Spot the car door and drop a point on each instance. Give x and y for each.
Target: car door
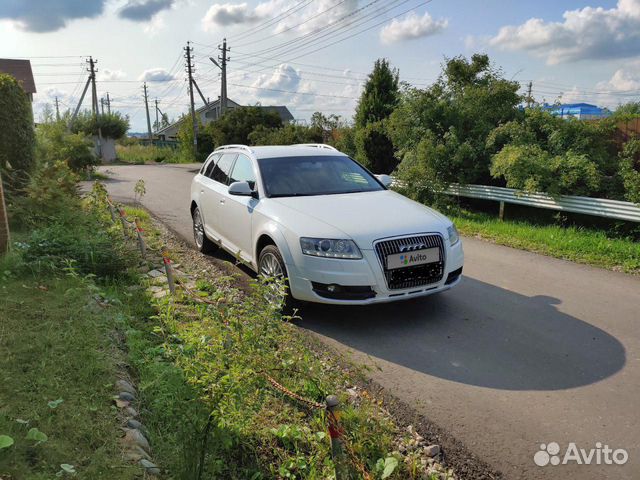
(218, 191)
(205, 195)
(237, 211)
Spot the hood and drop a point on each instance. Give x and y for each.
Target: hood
(367, 216)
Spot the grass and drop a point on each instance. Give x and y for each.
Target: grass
(142, 154)
(56, 346)
(582, 245)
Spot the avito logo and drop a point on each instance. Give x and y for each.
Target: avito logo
(549, 454)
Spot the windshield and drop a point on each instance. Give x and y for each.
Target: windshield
(315, 175)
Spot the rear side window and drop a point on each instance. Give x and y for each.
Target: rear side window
(208, 168)
(243, 171)
(223, 167)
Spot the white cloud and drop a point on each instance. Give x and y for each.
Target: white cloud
(106, 75)
(587, 33)
(156, 75)
(411, 27)
(284, 77)
(229, 14)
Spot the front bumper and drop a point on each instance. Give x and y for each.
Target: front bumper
(309, 278)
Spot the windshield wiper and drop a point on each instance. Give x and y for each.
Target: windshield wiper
(280, 195)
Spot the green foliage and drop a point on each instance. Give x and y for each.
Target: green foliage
(235, 126)
(630, 170)
(186, 153)
(110, 125)
(17, 140)
(441, 131)
(139, 190)
(380, 95)
(374, 148)
(344, 139)
(5, 441)
(138, 154)
(549, 154)
(287, 135)
(626, 110)
(56, 144)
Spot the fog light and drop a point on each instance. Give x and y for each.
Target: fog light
(333, 288)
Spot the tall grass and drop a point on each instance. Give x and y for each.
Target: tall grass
(141, 154)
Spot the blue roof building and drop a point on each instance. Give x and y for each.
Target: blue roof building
(581, 111)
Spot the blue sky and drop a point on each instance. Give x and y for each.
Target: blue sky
(572, 50)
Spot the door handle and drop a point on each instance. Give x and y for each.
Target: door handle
(201, 192)
(222, 201)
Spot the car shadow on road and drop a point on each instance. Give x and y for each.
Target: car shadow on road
(477, 334)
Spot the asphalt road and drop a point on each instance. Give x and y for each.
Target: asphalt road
(527, 350)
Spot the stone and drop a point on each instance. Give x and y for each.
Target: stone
(132, 412)
(121, 403)
(155, 273)
(134, 424)
(134, 437)
(150, 467)
(126, 396)
(125, 386)
(161, 294)
(134, 454)
(432, 450)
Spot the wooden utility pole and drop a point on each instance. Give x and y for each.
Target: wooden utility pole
(157, 120)
(57, 110)
(108, 104)
(5, 239)
(94, 100)
(529, 95)
(102, 105)
(146, 106)
(223, 82)
(189, 57)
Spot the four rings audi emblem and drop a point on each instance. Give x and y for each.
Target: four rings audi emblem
(412, 247)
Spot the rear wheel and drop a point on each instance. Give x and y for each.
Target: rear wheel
(271, 267)
(203, 244)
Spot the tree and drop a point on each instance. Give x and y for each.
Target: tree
(627, 109)
(441, 131)
(380, 95)
(56, 144)
(111, 125)
(630, 169)
(17, 140)
(235, 125)
(287, 135)
(379, 98)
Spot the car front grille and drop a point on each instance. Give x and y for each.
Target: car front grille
(417, 275)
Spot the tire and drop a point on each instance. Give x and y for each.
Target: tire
(271, 265)
(203, 244)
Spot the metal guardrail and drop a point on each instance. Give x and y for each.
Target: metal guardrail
(599, 207)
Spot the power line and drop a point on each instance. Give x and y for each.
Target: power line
(293, 92)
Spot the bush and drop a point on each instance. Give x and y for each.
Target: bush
(56, 144)
(17, 140)
(110, 125)
(139, 154)
(235, 125)
(374, 148)
(630, 170)
(287, 135)
(186, 152)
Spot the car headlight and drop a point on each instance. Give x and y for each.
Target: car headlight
(326, 247)
(454, 236)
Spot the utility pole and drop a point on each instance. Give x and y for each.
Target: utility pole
(102, 105)
(108, 104)
(223, 82)
(189, 57)
(157, 121)
(5, 239)
(146, 106)
(529, 93)
(94, 100)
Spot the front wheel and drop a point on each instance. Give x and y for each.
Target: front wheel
(272, 268)
(203, 244)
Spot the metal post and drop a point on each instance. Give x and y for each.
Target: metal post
(338, 453)
(168, 268)
(141, 244)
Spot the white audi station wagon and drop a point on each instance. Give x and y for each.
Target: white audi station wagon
(315, 216)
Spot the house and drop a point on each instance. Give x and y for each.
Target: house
(581, 111)
(211, 112)
(21, 71)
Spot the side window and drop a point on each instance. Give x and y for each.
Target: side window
(223, 167)
(210, 165)
(243, 171)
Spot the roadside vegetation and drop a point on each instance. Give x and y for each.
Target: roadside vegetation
(139, 154)
(583, 245)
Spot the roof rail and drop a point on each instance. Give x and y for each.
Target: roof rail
(226, 147)
(316, 145)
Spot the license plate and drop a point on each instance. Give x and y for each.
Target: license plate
(409, 259)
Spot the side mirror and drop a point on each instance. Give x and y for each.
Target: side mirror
(385, 180)
(240, 188)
